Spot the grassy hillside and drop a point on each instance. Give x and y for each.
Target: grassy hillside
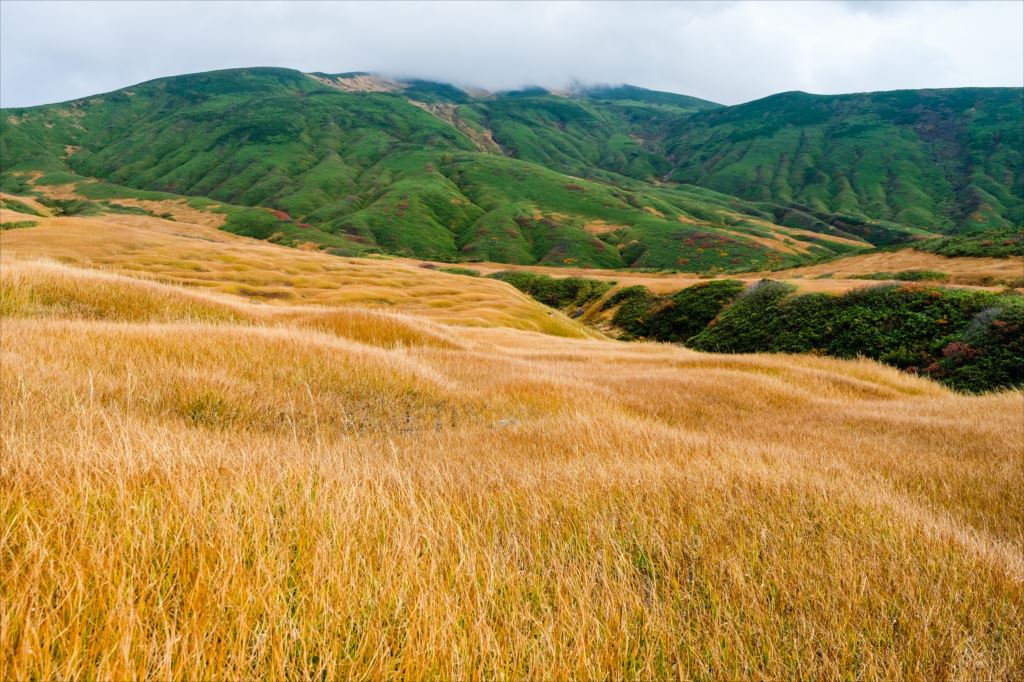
(225, 458)
(199, 256)
(421, 169)
(600, 133)
(947, 160)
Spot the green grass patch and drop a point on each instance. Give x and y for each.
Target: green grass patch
(461, 271)
(18, 224)
(19, 206)
(907, 276)
(564, 293)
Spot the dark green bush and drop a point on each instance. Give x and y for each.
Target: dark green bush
(634, 304)
(71, 207)
(563, 293)
(745, 326)
(251, 222)
(18, 224)
(990, 352)
(20, 207)
(689, 311)
(970, 340)
(907, 275)
(461, 271)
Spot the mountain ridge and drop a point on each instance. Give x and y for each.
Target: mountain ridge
(602, 177)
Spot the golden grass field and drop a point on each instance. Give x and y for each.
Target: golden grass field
(224, 459)
(974, 273)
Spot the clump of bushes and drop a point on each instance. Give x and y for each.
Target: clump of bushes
(251, 222)
(679, 316)
(19, 206)
(564, 293)
(676, 317)
(739, 328)
(18, 224)
(71, 207)
(461, 271)
(970, 340)
(634, 303)
(987, 243)
(121, 208)
(907, 275)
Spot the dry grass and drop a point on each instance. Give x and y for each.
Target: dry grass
(974, 273)
(179, 209)
(195, 485)
(28, 201)
(969, 271)
(201, 257)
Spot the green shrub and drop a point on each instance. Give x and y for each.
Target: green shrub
(71, 207)
(461, 271)
(907, 275)
(745, 326)
(687, 312)
(634, 305)
(121, 208)
(20, 207)
(564, 293)
(969, 340)
(251, 222)
(18, 224)
(989, 353)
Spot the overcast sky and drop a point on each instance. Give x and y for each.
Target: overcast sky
(729, 52)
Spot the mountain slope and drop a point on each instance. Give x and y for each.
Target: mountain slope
(948, 160)
(603, 177)
(355, 157)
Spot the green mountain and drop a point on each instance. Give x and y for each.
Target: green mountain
(607, 176)
(944, 160)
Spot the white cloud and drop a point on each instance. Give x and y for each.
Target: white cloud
(728, 52)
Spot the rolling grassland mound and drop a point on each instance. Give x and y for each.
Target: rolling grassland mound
(221, 458)
(210, 260)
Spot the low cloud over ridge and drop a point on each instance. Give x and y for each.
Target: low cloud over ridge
(727, 52)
